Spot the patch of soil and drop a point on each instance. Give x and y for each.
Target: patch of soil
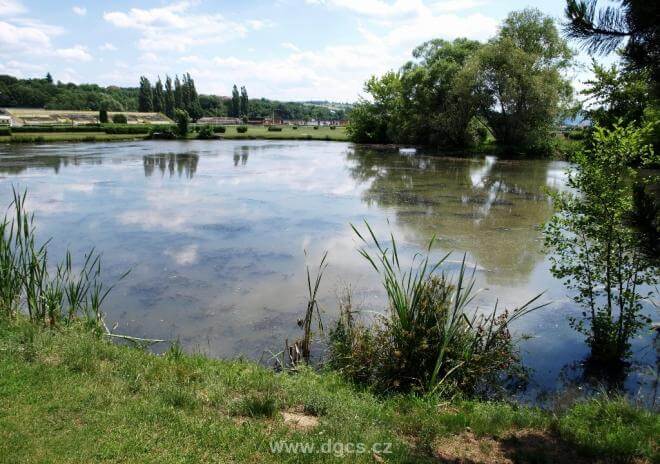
(300, 421)
(523, 446)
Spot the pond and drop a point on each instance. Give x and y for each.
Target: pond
(217, 235)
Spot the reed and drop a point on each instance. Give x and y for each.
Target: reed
(428, 340)
(48, 294)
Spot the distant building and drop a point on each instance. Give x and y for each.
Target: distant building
(5, 120)
(219, 120)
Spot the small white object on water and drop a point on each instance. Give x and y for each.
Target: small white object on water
(407, 151)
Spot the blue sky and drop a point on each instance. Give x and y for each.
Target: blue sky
(284, 49)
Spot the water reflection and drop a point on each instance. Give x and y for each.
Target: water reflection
(241, 155)
(488, 207)
(217, 251)
(181, 163)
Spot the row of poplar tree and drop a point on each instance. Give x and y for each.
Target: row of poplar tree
(181, 94)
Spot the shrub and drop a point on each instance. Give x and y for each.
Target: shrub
(595, 251)
(181, 117)
(333, 127)
(162, 132)
(295, 127)
(119, 119)
(206, 132)
(426, 342)
(219, 129)
(316, 127)
(274, 129)
(5, 131)
(103, 116)
(127, 129)
(241, 129)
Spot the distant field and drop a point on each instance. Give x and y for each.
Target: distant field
(253, 132)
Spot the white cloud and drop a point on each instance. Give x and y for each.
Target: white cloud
(108, 47)
(290, 46)
(79, 10)
(11, 8)
(185, 256)
(75, 53)
(174, 27)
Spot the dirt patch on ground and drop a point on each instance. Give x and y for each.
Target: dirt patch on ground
(300, 421)
(523, 446)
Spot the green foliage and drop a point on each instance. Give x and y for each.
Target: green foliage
(596, 252)
(145, 97)
(235, 109)
(634, 22)
(427, 342)
(241, 129)
(5, 131)
(219, 129)
(181, 119)
(159, 97)
(519, 75)
(103, 116)
(274, 129)
(127, 128)
(82, 128)
(206, 132)
(244, 102)
(453, 94)
(119, 119)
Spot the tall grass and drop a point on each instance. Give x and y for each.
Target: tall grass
(428, 340)
(49, 294)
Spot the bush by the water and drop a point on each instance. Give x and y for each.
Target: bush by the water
(427, 341)
(316, 127)
(219, 129)
(294, 127)
(119, 119)
(128, 128)
(163, 132)
(206, 133)
(274, 129)
(5, 131)
(333, 127)
(241, 129)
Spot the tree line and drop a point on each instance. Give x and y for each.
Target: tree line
(48, 94)
(179, 94)
(455, 94)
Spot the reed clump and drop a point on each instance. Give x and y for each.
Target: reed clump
(48, 293)
(428, 341)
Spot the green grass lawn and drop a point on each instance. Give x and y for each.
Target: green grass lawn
(288, 133)
(69, 396)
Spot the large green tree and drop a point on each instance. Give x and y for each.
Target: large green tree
(159, 97)
(244, 103)
(235, 102)
(170, 104)
(145, 97)
(521, 79)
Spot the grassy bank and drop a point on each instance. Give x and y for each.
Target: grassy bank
(288, 133)
(253, 132)
(67, 395)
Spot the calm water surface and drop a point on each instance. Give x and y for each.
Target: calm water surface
(216, 232)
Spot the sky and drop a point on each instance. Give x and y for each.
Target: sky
(283, 49)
